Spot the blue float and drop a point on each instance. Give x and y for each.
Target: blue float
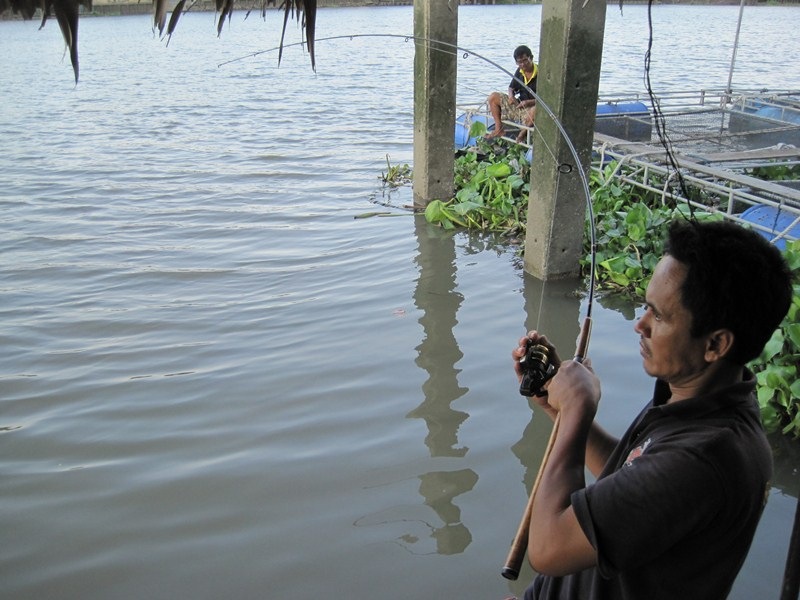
(463, 125)
(774, 219)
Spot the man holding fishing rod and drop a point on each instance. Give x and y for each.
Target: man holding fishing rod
(677, 499)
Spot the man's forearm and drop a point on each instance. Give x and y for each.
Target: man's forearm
(599, 445)
(557, 544)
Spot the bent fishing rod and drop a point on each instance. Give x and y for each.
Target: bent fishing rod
(519, 545)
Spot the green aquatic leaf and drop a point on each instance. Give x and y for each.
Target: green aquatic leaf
(465, 207)
(499, 170)
(793, 332)
(515, 181)
(469, 195)
(773, 346)
(769, 417)
(477, 129)
(434, 211)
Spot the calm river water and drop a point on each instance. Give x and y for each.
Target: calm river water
(216, 381)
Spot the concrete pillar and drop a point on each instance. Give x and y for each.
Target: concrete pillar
(570, 53)
(434, 99)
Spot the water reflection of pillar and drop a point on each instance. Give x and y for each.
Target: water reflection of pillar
(438, 353)
(439, 488)
(553, 309)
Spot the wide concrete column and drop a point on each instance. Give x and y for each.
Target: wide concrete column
(570, 55)
(434, 99)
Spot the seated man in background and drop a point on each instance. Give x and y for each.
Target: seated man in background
(519, 105)
(677, 499)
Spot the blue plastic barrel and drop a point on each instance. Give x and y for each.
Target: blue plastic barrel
(773, 219)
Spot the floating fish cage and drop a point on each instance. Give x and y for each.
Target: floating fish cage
(720, 142)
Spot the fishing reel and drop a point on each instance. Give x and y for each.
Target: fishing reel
(537, 369)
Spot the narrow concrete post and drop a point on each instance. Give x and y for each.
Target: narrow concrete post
(434, 99)
(570, 54)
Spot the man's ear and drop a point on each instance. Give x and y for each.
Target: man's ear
(718, 344)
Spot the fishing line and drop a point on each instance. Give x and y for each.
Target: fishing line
(453, 49)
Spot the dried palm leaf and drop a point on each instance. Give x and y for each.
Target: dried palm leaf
(159, 15)
(173, 20)
(306, 11)
(67, 12)
(225, 13)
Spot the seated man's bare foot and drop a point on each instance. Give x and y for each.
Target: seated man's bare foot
(495, 134)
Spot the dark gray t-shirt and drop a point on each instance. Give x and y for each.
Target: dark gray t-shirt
(674, 512)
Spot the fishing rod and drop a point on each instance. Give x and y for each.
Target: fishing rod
(538, 365)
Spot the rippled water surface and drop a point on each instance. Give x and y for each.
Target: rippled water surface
(220, 377)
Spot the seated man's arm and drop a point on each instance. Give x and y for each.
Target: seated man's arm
(512, 95)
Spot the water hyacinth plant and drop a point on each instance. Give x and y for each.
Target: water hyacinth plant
(777, 368)
(492, 188)
(630, 224)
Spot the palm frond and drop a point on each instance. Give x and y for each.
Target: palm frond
(66, 13)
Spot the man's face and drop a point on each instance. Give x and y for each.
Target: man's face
(525, 62)
(668, 350)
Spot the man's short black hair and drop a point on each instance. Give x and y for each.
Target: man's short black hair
(521, 51)
(735, 280)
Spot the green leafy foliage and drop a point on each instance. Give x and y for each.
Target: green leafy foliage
(777, 172)
(630, 225)
(492, 188)
(396, 175)
(777, 368)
